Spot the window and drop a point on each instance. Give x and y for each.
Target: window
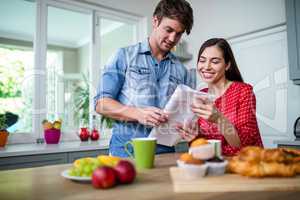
(55, 74)
(16, 64)
(110, 39)
(68, 63)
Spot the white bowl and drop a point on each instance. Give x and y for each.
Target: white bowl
(192, 171)
(203, 152)
(216, 168)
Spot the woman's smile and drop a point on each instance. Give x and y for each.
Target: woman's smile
(207, 75)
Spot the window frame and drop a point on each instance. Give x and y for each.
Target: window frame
(40, 58)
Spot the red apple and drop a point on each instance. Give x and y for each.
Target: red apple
(104, 177)
(94, 134)
(125, 171)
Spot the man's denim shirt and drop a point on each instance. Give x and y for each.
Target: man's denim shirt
(135, 78)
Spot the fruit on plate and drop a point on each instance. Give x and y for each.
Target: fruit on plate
(110, 161)
(104, 177)
(84, 167)
(105, 171)
(125, 172)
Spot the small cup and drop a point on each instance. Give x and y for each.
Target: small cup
(144, 152)
(191, 171)
(216, 168)
(52, 136)
(217, 147)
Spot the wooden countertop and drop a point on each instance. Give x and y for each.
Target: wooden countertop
(47, 183)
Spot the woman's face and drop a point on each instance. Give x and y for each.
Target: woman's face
(211, 65)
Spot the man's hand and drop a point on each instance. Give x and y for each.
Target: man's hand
(151, 116)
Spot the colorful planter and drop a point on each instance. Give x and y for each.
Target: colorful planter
(52, 136)
(3, 138)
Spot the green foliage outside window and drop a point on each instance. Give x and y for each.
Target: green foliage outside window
(15, 90)
(81, 100)
(9, 85)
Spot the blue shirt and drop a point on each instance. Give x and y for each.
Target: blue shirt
(135, 78)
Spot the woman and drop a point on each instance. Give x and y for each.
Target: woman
(231, 117)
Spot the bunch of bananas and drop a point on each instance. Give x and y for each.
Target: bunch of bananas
(110, 161)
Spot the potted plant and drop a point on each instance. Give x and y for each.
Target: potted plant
(107, 122)
(7, 119)
(81, 100)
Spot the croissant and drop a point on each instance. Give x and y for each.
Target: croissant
(259, 162)
(297, 167)
(257, 154)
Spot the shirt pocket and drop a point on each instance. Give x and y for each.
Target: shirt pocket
(139, 77)
(173, 82)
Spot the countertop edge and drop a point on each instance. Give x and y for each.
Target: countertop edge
(63, 147)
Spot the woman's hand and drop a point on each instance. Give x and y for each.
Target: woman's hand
(187, 131)
(205, 109)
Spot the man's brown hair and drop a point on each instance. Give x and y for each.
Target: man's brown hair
(176, 9)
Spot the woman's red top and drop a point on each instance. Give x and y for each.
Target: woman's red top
(238, 105)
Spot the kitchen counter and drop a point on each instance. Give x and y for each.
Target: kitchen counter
(288, 143)
(47, 183)
(36, 155)
(35, 149)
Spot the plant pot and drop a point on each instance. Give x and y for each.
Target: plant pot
(52, 136)
(3, 138)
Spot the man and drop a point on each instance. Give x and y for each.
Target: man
(139, 80)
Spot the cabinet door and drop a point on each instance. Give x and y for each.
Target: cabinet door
(16, 162)
(293, 33)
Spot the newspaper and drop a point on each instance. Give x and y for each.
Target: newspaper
(179, 111)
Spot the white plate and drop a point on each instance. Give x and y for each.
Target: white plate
(66, 175)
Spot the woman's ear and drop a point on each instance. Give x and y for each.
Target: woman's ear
(228, 66)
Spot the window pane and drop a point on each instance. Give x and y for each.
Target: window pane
(111, 39)
(68, 55)
(16, 61)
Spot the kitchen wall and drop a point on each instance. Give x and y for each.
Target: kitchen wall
(219, 18)
(230, 19)
(143, 8)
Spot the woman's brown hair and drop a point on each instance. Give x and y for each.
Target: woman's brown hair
(233, 72)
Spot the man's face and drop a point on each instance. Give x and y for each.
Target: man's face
(166, 33)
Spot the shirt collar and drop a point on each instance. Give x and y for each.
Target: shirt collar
(145, 49)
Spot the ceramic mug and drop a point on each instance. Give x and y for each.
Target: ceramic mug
(143, 152)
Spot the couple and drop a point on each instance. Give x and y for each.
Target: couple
(139, 80)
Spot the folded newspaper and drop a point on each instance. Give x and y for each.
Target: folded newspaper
(179, 111)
